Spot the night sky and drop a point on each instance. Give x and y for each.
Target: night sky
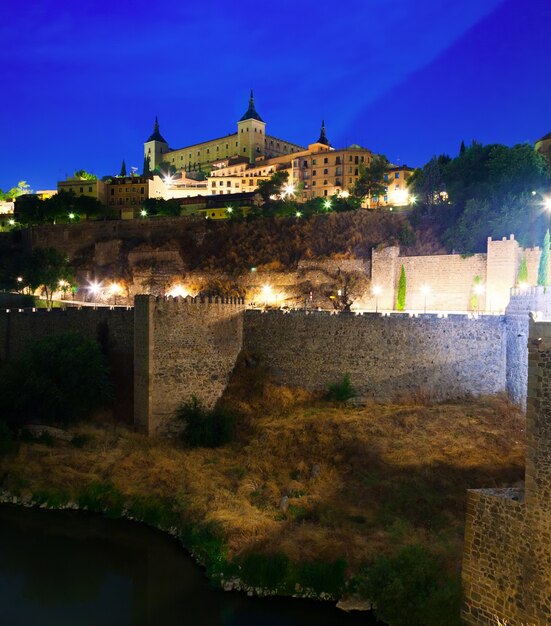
(83, 81)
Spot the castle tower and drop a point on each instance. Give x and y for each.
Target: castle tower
(251, 130)
(322, 144)
(155, 147)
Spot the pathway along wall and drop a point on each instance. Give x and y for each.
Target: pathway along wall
(386, 356)
(507, 555)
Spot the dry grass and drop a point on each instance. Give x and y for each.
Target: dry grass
(359, 480)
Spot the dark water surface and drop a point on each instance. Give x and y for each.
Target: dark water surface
(66, 568)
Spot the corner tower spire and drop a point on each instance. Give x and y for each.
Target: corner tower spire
(250, 113)
(323, 137)
(156, 135)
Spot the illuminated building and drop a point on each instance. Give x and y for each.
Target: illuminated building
(250, 141)
(84, 187)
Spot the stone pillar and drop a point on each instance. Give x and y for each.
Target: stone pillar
(385, 272)
(501, 271)
(144, 307)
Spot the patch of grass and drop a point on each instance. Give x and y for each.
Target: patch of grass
(268, 571)
(323, 577)
(101, 497)
(204, 428)
(79, 441)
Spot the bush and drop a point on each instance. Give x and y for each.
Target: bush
(411, 589)
(341, 392)
(268, 571)
(60, 379)
(7, 440)
(323, 577)
(204, 428)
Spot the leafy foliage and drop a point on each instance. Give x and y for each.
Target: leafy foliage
(44, 268)
(543, 269)
(342, 391)
(60, 379)
(204, 428)
(401, 297)
(370, 182)
(485, 191)
(522, 272)
(410, 589)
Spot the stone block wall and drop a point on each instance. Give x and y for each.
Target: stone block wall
(183, 347)
(112, 328)
(386, 356)
(507, 557)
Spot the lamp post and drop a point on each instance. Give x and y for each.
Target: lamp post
(376, 292)
(425, 290)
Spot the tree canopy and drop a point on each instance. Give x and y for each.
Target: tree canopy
(370, 183)
(487, 190)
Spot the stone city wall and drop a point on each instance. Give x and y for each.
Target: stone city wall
(507, 556)
(184, 347)
(112, 328)
(386, 356)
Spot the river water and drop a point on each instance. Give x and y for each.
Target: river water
(67, 568)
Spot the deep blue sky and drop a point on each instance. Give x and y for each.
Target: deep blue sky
(83, 81)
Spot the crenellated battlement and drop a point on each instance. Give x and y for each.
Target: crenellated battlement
(70, 310)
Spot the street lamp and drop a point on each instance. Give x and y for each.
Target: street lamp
(115, 289)
(376, 292)
(11, 222)
(94, 288)
(143, 213)
(289, 190)
(425, 290)
(72, 216)
(327, 204)
(298, 214)
(267, 292)
(479, 290)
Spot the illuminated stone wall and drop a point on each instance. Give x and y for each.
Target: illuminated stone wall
(507, 557)
(183, 347)
(386, 356)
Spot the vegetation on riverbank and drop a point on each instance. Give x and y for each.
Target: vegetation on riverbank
(310, 497)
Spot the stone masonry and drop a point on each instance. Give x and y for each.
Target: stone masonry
(507, 555)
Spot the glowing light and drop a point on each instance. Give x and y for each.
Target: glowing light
(115, 289)
(534, 193)
(229, 209)
(425, 290)
(413, 199)
(71, 216)
(547, 203)
(345, 194)
(267, 291)
(178, 291)
(63, 284)
(143, 213)
(94, 288)
(289, 190)
(523, 286)
(11, 222)
(400, 196)
(377, 290)
(273, 196)
(479, 289)
(20, 279)
(298, 214)
(168, 180)
(327, 204)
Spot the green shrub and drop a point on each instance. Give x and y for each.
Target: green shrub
(79, 441)
(153, 511)
(61, 378)
(323, 577)
(341, 392)
(100, 497)
(204, 428)
(410, 588)
(7, 440)
(269, 571)
(402, 286)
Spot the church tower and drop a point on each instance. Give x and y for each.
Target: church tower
(154, 148)
(251, 131)
(322, 144)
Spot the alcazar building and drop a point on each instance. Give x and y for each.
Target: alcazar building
(250, 141)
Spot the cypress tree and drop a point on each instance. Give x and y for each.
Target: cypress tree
(462, 149)
(522, 272)
(543, 270)
(401, 300)
(146, 166)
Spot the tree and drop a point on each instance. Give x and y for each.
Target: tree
(543, 270)
(370, 183)
(522, 277)
(45, 268)
(401, 299)
(346, 288)
(274, 186)
(146, 166)
(61, 378)
(22, 188)
(84, 175)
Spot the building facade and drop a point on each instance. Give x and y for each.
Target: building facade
(250, 141)
(84, 187)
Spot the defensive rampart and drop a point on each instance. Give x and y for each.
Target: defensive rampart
(183, 347)
(507, 557)
(386, 356)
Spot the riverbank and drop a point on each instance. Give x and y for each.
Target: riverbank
(307, 497)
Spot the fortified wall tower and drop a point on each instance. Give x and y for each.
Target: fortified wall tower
(183, 347)
(507, 556)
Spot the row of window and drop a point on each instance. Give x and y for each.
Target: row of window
(128, 190)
